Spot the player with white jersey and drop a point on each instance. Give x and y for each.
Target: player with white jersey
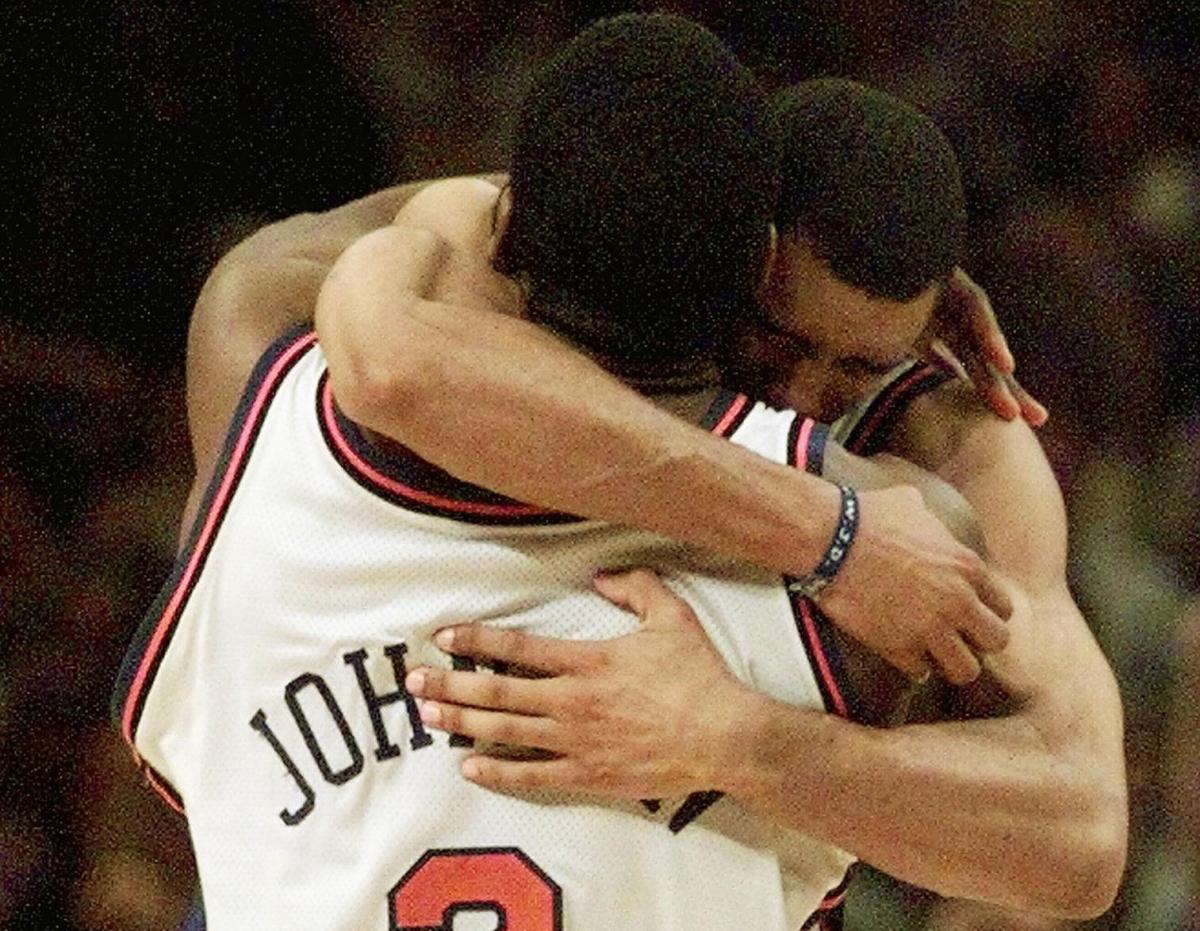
(327, 720)
(265, 696)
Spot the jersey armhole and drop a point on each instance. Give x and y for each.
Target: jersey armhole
(153, 636)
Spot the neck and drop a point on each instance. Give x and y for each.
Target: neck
(685, 387)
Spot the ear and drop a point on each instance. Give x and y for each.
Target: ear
(501, 216)
(772, 252)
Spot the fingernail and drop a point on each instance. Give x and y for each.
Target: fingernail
(431, 713)
(470, 768)
(415, 681)
(444, 638)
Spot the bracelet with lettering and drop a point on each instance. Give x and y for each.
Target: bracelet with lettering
(831, 563)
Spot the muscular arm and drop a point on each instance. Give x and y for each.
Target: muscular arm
(536, 420)
(1022, 805)
(1027, 809)
(264, 285)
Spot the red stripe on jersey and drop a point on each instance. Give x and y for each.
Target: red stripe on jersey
(407, 491)
(735, 409)
(163, 789)
(824, 669)
(204, 541)
(892, 395)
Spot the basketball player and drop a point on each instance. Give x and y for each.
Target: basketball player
(266, 693)
(239, 286)
(1039, 788)
(523, 388)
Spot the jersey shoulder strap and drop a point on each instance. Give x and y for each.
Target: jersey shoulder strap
(866, 428)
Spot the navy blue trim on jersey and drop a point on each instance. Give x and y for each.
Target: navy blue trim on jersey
(830, 914)
(726, 413)
(399, 475)
(153, 637)
(812, 456)
(875, 426)
(826, 919)
(395, 473)
(824, 656)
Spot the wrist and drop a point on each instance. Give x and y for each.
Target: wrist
(759, 764)
(836, 553)
(733, 740)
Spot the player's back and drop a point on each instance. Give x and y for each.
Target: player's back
(265, 694)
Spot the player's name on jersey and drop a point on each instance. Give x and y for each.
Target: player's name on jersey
(312, 684)
(309, 694)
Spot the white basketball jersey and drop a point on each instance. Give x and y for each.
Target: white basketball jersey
(264, 694)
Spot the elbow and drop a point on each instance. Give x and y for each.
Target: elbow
(377, 385)
(372, 389)
(1091, 865)
(1099, 875)
(373, 397)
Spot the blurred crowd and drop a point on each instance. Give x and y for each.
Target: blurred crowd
(148, 138)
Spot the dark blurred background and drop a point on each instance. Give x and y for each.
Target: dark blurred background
(144, 139)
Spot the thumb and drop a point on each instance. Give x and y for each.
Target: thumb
(632, 589)
(643, 592)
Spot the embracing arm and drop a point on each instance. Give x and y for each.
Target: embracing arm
(264, 285)
(536, 420)
(1028, 809)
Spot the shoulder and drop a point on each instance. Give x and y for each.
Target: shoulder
(457, 209)
(934, 425)
(1000, 468)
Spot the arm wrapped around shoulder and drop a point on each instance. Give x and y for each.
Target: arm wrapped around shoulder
(885, 471)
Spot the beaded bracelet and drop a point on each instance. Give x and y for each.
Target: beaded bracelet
(831, 563)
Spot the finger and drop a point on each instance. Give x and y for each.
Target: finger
(958, 664)
(983, 624)
(522, 775)
(996, 391)
(937, 351)
(642, 592)
(914, 665)
(977, 308)
(993, 595)
(499, 727)
(543, 654)
(484, 690)
(1033, 411)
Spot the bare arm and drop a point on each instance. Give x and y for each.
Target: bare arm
(264, 285)
(1043, 789)
(1026, 809)
(405, 365)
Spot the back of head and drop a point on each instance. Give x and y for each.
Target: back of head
(643, 184)
(870, 183)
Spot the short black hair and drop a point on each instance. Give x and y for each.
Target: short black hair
(643, 183)
(870, 183)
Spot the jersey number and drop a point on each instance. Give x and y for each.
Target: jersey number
(500, 880)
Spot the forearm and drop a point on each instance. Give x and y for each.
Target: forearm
(568, 436)
(978, 809)
(502, 403)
